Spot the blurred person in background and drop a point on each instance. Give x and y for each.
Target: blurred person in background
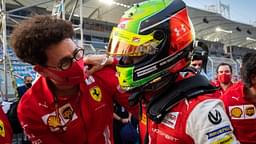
(198, 60)
(27, 84)
(224, 77)
(240, 102)
(125, 126)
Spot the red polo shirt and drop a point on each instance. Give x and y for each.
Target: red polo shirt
(83, 118)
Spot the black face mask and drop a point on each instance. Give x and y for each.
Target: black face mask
(28, 85)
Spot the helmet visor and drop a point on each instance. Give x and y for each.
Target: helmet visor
(125, 43)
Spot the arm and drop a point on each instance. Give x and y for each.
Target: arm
(117, 117)
(99, 61)
(208, 123)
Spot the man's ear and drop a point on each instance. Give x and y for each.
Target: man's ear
(40, 70)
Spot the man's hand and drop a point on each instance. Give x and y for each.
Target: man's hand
(97, 62)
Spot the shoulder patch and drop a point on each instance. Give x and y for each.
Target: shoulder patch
(171, 119)
(214, 117)
(218, 132)
(96, 93)
(228, 139)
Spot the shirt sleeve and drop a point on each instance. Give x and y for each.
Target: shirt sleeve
(208, 123)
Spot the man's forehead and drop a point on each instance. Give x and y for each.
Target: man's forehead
(28, 78)
(224, 67)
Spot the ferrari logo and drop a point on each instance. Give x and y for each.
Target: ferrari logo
(2, 131)
(96, 93)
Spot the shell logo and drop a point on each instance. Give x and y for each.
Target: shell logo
(236, 112)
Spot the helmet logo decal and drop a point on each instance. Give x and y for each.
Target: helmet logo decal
(123, 23)
(158, 65)
(181, 29)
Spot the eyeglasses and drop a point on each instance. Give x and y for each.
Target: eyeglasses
(66, 62)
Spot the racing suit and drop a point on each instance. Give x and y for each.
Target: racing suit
(199, 120)
(85, 118)
(5, 129)
(241, 112)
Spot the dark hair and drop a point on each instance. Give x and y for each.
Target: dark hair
(196, 57)
(248, 68)
(223, 64)
(31, 38)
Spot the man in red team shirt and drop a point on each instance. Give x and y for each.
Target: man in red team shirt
(65, 105)
(224, 77)
(154, 40)
(240, 101)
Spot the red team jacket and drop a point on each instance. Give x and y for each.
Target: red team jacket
(83, 119)
(201, 120)
(242, 113)
(5, 129)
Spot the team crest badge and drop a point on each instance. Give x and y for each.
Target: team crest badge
(96, 93)
(2, 130)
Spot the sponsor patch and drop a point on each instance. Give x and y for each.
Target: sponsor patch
(242, 112)
(96, 93)
(214, 117)
(170, 119)
(2, 129)
(58, 122)
(236, 112)
(249, 111)
(218, 132)
(53, 122)
(228, 139)
(67, 112)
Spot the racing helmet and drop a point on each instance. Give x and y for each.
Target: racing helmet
(153, 38)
